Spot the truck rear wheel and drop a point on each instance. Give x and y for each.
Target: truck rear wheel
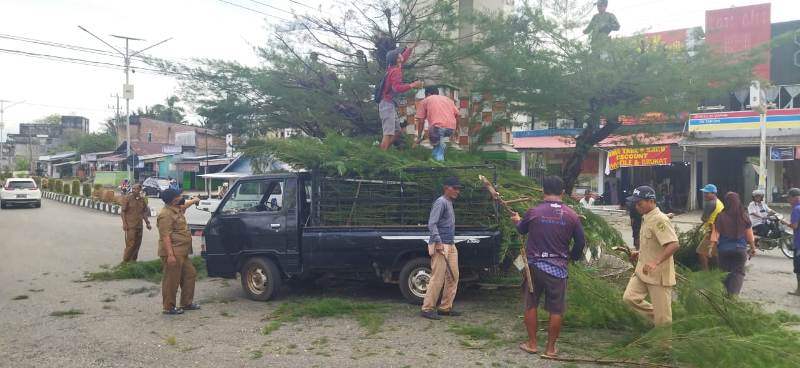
(261, 279)
(414, 279)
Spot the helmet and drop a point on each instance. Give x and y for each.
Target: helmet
(758, 192)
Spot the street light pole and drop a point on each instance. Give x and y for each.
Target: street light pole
(127, 92)
(758, 102)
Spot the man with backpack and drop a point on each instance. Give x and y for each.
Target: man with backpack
(391, 86)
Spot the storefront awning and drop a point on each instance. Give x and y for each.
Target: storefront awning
(544, 142)
(116, 158)
(712, 141)
(613, 141)
(154, 157)
(67, 163)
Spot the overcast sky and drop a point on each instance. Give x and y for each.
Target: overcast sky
(199, 28)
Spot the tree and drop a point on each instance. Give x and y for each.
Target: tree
(541, 71)
(110, 127)
(22, 164)
(94, 142)
(318, 72)
(49, 119)
(170, 112)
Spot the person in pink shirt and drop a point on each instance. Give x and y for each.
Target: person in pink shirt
(393, 85)
(442, 114)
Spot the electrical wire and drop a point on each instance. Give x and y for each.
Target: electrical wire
(254, 10)
(272, 7)
(63, 46)
(99, 64)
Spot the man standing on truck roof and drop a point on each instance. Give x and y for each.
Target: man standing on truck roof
(134, 210)
(550, 226)
(393, 85)
(174, 247)
(441, 113)
(444, 255)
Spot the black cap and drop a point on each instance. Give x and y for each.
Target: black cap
(452, 181)
(642, 192)
(393, 55)
(168, 195)
(794, 192)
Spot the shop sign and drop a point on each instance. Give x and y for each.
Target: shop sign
(640, 156)
(781, 153)
(743, 120)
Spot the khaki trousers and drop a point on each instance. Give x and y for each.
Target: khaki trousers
(659, 312)
(182, 275)
(133, 240)
(441, 278)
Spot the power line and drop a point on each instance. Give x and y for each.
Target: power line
(305, 5)
(272, 6)
(254, 10)
(99, 64)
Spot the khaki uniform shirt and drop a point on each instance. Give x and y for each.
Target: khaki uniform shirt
(134, 209)
(172, 222)
(657, 231)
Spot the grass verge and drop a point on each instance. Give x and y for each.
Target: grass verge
(147, 270)
(370, 316)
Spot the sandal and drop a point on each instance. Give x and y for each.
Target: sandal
(173, 311)
(191, 307)
(524, 347)
(553, 355)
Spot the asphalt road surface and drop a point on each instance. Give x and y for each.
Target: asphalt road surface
(46, 251)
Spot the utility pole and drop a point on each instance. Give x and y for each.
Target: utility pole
(3, 108)
(758, 103)
(127, 88)
(116, 114)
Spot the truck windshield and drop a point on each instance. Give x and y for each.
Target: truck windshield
(255, 196)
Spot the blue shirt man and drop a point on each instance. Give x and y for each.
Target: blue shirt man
(794, 222)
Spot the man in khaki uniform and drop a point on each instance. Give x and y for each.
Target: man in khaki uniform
(174, 247)
(134, 211)
(655, 268)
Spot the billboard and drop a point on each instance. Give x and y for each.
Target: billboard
(639, 156)
(740, 29)
(714, 121)
(784, 59)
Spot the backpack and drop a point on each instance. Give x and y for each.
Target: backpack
(378, 94)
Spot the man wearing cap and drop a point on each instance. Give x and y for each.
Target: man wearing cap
(134, 210)
(793, 196)
(601, 24)
(443, 252)
(712, 206)
(174, 247)
(393, 85)
(655, 268)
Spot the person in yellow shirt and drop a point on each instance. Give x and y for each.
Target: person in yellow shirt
(712, 206)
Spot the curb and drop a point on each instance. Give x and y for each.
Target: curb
(112, 209)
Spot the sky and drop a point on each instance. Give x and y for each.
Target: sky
(217, 29)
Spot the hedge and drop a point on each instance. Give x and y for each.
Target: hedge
(87, 190)
(76, 188)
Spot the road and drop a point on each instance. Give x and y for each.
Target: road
(46, 251)
(768, 276)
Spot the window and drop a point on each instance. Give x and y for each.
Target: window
(149, 137)
(255, 196)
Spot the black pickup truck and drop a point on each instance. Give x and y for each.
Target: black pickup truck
(270, 228)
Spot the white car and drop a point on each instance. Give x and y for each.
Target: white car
(20, 191)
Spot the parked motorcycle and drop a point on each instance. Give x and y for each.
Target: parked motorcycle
(777, 236)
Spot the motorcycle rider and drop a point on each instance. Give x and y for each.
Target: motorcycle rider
(759, 213)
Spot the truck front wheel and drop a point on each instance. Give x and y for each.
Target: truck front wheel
(261, 279)
(414, 279)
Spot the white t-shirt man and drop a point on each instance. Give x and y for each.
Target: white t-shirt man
(586, 204)
(758, 212)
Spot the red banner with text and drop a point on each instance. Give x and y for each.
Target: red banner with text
(641, 156)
